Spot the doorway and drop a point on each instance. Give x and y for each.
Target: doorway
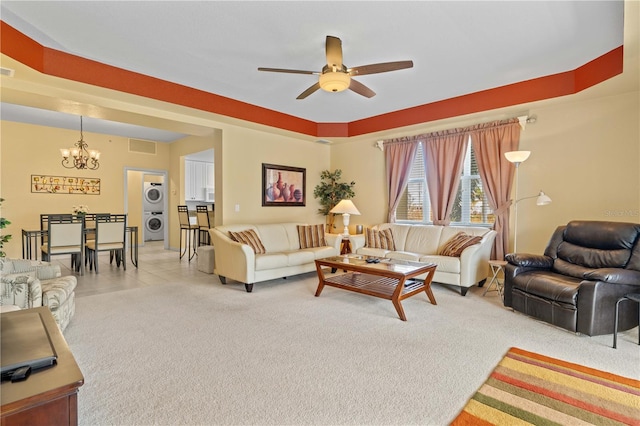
(146, 196)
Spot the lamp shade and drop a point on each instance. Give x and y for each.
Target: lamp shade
(334, 81)
(345, 206)
(543, 199)
(517, 156)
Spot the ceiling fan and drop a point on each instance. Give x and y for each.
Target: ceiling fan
(336, 77)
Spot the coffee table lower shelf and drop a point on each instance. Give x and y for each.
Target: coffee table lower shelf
(378, 285)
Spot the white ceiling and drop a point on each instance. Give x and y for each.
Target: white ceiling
(458, 47)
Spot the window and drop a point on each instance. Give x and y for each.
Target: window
(471, 206)
(414, 203)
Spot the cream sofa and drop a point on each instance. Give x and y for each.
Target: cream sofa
(422, 243)
(283, 256)
(31, 284)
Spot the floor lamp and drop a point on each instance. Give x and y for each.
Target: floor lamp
(517, 157)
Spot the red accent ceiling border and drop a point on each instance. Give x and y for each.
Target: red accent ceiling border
(60, 64)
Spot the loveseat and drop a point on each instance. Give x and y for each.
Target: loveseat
(586, 267)
(464, 264)
(272, 251)
(31, 284)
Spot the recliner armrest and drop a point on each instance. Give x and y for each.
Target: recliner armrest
(528, 260)
(614, 276)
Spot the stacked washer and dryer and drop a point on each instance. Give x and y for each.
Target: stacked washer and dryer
(153, 206)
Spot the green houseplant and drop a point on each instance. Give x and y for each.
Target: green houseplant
(330, 191)
(3, 237)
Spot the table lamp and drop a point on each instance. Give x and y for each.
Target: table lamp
(346, 208)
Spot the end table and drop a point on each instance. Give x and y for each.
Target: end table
(497, 269)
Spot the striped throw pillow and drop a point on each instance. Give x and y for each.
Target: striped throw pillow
(250, 238)
(458, 243)
(379, 239)
(311, 236)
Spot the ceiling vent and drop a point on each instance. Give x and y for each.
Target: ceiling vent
(323, 141)
(142, 146)
(7, 71)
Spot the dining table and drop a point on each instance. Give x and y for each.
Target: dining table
(33, 239)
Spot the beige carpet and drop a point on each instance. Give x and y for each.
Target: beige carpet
(198, 352)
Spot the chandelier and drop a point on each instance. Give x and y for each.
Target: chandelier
(79, 156)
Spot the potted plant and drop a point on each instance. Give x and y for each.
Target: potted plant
(330, 191)
(3, 238)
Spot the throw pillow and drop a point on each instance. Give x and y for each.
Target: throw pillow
(458, 243)
(250, 238)
(379, 239)
(311, 236)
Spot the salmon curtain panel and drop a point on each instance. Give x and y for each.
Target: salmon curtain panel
(444, 158)
(399, 156)
(490, 141)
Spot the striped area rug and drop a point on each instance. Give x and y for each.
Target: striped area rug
(528, 388)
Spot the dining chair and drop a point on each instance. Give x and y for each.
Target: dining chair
(110, 235)
(90, 230)
(65, 235)
(202, 214)
(191, 231)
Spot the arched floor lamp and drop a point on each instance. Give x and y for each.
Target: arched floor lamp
(518, 157)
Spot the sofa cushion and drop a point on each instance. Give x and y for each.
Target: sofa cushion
(322, 252)
(593, 257)
(382, 239)
(279, 237)
(250, 238)
(456, 245)
(368, 251)
(36, 268)
(403, 255)
(422, 239)
(549, 285)
(299, 257)
(271, 261)
(311, 236)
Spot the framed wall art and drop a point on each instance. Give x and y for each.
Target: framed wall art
(64, 185)
(283, 186)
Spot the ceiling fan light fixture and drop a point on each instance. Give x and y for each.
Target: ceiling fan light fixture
(334, 81)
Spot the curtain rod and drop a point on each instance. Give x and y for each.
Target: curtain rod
(523, 120)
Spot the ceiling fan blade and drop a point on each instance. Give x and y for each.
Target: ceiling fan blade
(378, 68)
(334, 51)
(309, 91)
(288, 71)
(361, 89)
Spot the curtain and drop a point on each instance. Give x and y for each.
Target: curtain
(399, 155)
(490, 142)
(444, 158)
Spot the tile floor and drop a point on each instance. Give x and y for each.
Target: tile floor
(155, 266)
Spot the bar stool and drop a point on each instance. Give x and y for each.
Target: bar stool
(497, 266)
(191, 231)
(634, 297)
(202, 214)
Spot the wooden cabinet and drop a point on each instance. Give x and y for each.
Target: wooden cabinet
(198, 177)
(48, 396)
(210, 187)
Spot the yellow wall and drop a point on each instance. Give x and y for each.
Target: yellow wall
(28, 149)
(135, 181)
(585, 154)
(244, 151)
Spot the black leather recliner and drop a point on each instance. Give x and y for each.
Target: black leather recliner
(586, 267)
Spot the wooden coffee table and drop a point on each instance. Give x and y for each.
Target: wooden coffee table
(385, 279)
